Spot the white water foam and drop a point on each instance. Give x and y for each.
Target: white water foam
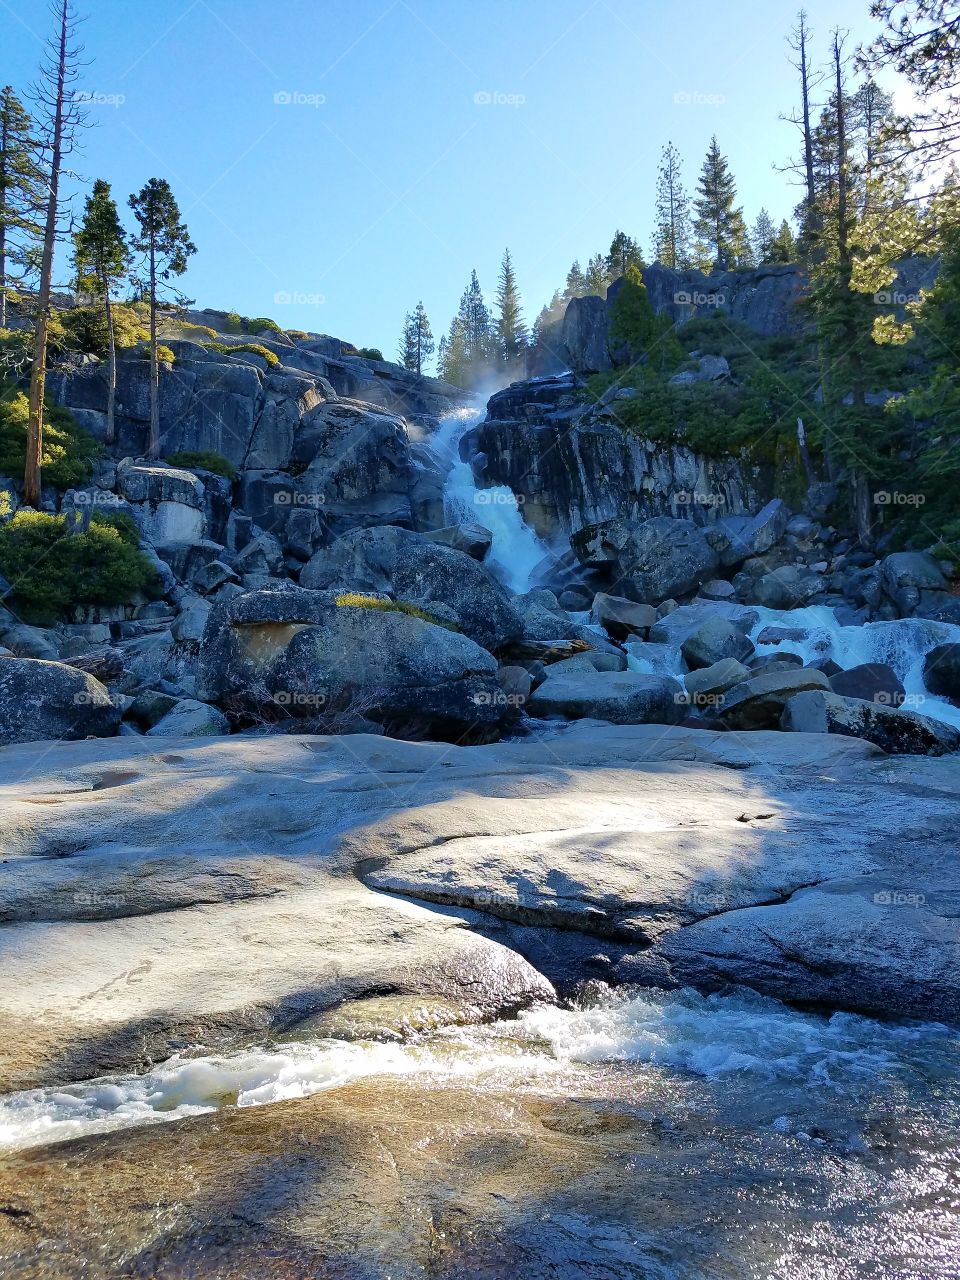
(901, 644)
(516, 550)
(718, 1036)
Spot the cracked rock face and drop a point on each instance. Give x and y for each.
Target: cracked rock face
(224, 889)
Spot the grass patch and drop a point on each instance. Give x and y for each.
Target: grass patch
(357, 600)
(205, 460)
(254, 349)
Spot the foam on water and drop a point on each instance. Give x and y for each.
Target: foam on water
(516, 550)
(681, 1032)
(720, 1035)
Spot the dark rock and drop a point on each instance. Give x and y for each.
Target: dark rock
(896, 732)
(713, 640)
(758, 703)
(40, 700)
(941, 671)
(297, 653)
(872, 681)
(619, 697)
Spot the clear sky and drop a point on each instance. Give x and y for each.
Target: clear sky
(359, 155)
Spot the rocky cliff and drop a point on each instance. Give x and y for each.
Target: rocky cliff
(765, 300)
(571, 464)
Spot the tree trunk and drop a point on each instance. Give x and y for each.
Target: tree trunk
(863, 508)
(31, 475)
(111, 367)
(811, 197)
(3, 227)
(153, 449)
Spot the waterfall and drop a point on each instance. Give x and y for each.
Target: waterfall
(516, 550)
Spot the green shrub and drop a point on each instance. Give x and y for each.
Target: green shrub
(234, 322)
(52, 571)
(370, 353)
(69, 452)
(194, 332)
(206, 460)
(356, 600)
(297, 335)
(254, 348)
(259, 323)
(85, 329)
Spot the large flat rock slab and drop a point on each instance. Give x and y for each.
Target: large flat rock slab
(212, 890)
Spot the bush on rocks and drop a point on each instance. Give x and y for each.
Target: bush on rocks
(69, 452)
(51, 569)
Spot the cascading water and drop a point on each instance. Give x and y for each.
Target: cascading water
(815, 634)
(516, 550)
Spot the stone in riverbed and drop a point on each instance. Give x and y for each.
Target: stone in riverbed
(758, 703)
(714, 639)
(941, 671)
(621, 617)
(707, 686)
(871, 681)
(898, 732)
(626, 697)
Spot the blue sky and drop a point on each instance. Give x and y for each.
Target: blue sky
(335, 162)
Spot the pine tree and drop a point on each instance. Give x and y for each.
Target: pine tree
(408, 351)
(102, 260)
(512, 336)
(576, 282)
(597, 278)
(166, 245)
(422, 338)
(783, 246)
(546, 354)
(479, 343)
(671, 239)
(58, 122)
(22, 194)
(455, 366)
(762, 237)
(624, 253)
(719, 224)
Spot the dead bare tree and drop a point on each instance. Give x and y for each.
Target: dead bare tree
(59, 117)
